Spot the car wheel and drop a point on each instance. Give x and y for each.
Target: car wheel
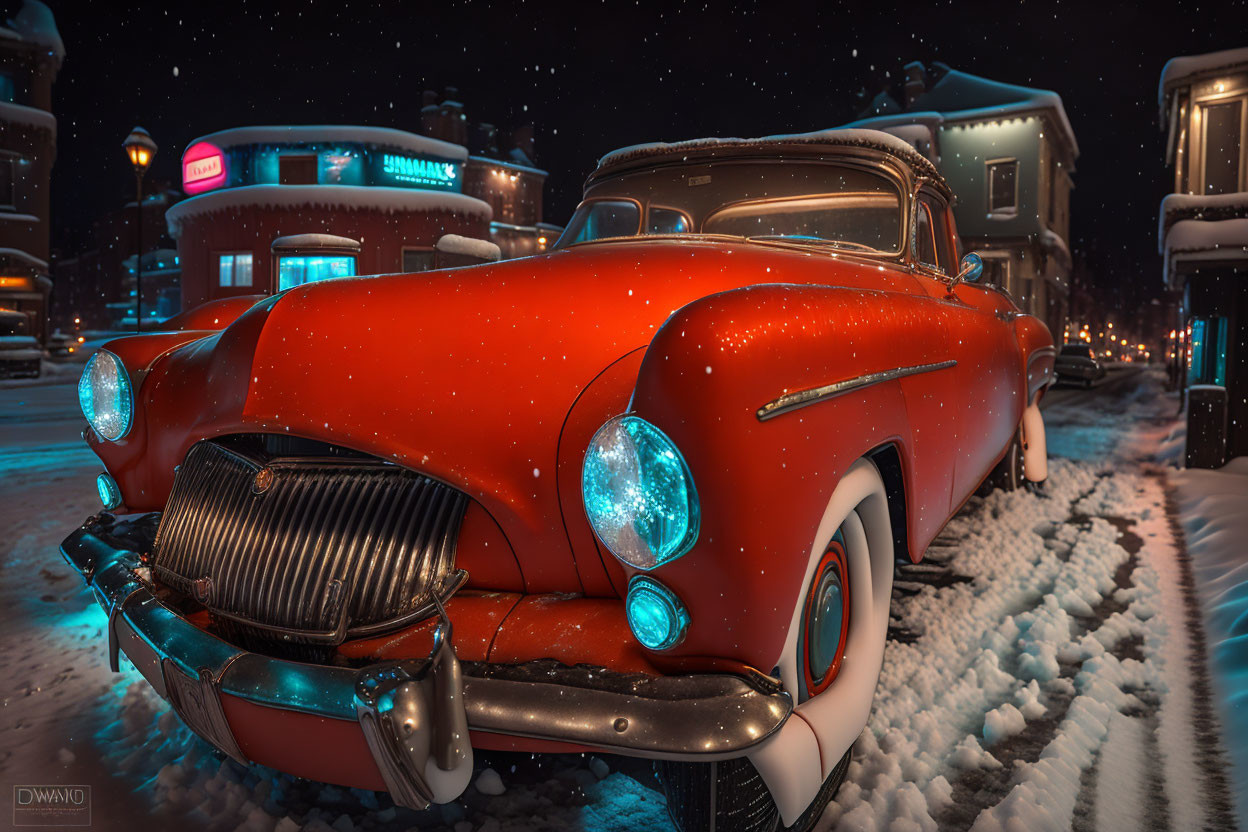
(830, 665)
(1008, 475)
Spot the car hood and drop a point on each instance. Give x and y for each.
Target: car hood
(467, 375)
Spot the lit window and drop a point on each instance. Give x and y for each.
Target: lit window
(234, 269)
(1003, 186)
(297, 270)
(8, 90)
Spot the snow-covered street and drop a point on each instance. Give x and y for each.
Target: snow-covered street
(1046, 668)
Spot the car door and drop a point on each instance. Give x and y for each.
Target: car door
(981, 393)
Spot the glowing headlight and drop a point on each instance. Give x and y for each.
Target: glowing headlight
(639, 494)
(105, 396)
(655, 614)
(110, 494)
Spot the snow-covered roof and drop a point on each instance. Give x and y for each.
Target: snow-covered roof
(1186, 67)
(35, 24)
(1178, 207)
(1199, 240)
(961, 96)
(843, 137)
(469, 247)
(388, 200)
(302, 241)
(21, 114)
(310, 133)
(18, 254)
(1053, 241)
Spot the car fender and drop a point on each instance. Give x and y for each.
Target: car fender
(763, 484)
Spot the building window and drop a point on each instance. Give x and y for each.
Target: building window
(296, 270)
(8, 90)
(7, 196)
(297, 169)
(1003, 186)
(417, 259)
(234, 269)
(1209, 347)
(1223, 146)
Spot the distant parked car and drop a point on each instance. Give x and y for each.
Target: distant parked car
(60, 345)
(1077, 363)
(20, 353)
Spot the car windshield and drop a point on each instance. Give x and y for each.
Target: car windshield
(1077, 351)
(815, 203)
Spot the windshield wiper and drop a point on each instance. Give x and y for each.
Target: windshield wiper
(803, 240)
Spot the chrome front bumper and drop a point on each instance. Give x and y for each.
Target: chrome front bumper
(693, 717)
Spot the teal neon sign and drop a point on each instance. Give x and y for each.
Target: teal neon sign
(419, 171)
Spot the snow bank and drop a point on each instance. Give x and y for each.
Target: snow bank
(469, 247)
(318, 133)
(845, 137)
(329, 197)
(1213, 507)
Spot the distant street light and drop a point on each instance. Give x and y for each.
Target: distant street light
(141, 150)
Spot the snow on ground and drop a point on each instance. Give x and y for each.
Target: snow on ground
(1042, 671)
(1214, 509)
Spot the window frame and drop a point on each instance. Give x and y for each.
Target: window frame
(950, 250)
(217, 255)
(278, 257)
(1196, 179)
(989, 164)
(641, 220)
(423, 250)
(660, 207)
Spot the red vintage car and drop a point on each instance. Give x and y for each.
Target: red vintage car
(641, 495)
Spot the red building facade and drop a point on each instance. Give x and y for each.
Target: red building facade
(392, 192)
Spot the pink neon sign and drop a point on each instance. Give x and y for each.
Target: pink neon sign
(203, 168)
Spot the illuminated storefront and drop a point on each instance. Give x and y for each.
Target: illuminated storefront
(389, 194)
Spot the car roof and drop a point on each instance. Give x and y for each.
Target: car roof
(812, 145)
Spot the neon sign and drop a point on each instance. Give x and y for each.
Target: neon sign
(203, 168)
(419, 171)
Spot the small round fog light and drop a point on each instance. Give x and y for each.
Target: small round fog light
(110, 494)
(655, 615)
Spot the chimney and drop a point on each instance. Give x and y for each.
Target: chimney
(914, 82)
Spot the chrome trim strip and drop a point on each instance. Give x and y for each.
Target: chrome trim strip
(689, 717)
(802, 398)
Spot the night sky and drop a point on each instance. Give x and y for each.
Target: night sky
(593, 76)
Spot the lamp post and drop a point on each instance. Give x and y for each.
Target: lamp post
(141, 149)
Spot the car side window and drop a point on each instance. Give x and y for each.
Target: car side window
(667, 221)
(932, 235)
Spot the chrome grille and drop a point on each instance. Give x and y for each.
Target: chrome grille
(309, 548)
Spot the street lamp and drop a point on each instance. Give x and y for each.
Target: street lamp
(141, 150)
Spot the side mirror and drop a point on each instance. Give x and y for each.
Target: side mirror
(972, 270)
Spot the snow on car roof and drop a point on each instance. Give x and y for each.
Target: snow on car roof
(873, 139)
(307, 133)
(389, 200)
